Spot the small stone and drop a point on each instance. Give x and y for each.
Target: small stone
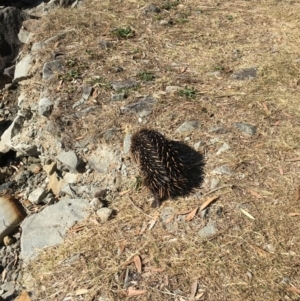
(22, 68)
(197, 145)
(188, 126)
(218, 130)
(70, 178)
(223, 148)
(246, 128)
(7, 240)
(214, 183)
(104, 213)
(106, 44)
(245, 74)
(142, 108)
(208, 230)
(127, 143)
(70, 160)
(172, 89)
(86, 92)
(126, 84)
(8, 286)
(224, 169)
(118, 97)
(50, 68)
(151, 8)
(50, 168)
(96, 204)
(45, 107)
(35, 168)
(37, 195)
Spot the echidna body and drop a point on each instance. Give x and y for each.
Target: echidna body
(162, 169)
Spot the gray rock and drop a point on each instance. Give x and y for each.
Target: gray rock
(142, 108)
(172, 89)
(37, 195)
(50, 68)
(125, 84)
(208, 230)
(11, 20)
(41, 45)
(245, 74)
(11, 214)
(188, 126)
(10, 71)
(118, 97)
(103, 159)
(223, 148)
(218, 130)
(198, 144)
(167, 218)
(27, 149)
(24, 36)
(246, 128)
(96, 204)
(224, 169)
(151, 8)
(45, 106)
(70, 178)
(22, 68)
(86, 92)
(8, 286)
(70, 160)
(214, 183)
(48, 227)
(104, 213)
(127, 143)
(11, 131)
(106, 44)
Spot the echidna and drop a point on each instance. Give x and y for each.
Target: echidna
(162, 169)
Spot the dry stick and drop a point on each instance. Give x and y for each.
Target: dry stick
(138, 207)
(216, 189)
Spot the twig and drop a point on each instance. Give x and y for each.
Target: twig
(138, 208)
(216, 189)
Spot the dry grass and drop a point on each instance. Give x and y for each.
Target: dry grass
(247, 259)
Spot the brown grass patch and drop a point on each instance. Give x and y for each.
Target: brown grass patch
(248, 259)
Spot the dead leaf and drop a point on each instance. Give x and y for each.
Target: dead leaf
(266, 108)
(143, 229)
(198, 297)
(154, 269)
(4, 275)
(131, 292)
(297, 194)
(280, 170)
(293, 159)
(208, 202)
(81, 291)
(152, 223)
(124, 192)
(184, 212)
(194, 288)
(23, 297)
(260, 252)
(138, 263)
(247, 213)
(294, 214)
(254, 193)
(293, 289)
(192, 214)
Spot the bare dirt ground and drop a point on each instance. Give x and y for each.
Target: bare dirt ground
(195, 45)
